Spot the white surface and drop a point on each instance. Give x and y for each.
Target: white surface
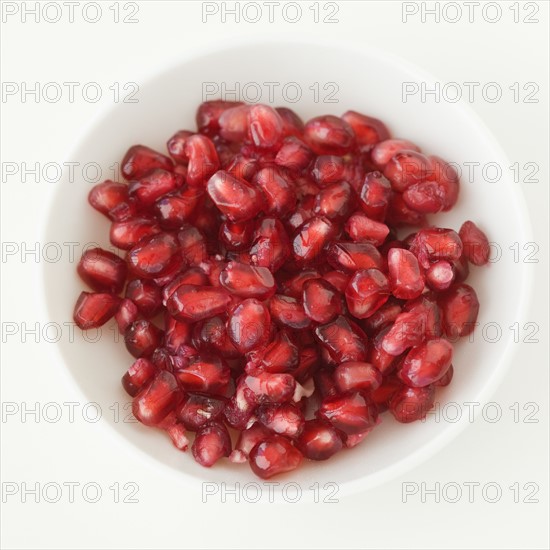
(171, 515)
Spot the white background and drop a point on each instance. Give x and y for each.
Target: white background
(168, 516)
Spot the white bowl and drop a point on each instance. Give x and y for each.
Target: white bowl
(368, 81)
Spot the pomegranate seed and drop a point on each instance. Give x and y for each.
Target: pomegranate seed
(367, 291)
(329, 135)
(243, 167)
(343, 341)
(410, 404)
(408, 330)
(400, 214)
(383, 394)
(328, 169)
(126, 314)
(407, 168)
(198, 410)
(353, 256)
(285, 419)
(281, 355)
(270, 387)
(265, 127)
(475, 243)
(106, 196)
(273, 456)
(203, 159)
(138, 376)
(293, 125)
(157, 399)
(146, 295)
(249, 325)
(208, 115)
(426, 305)
(426, 363)
(382, 317)
(154, 256)
(271, 246)
(127, 233)
(338, 279)
(102, 270)
(378, 357)
(375, 196)
(427, 197)
(445, 380)
(176, 335)
(311, 238)
(368, 130)
(436, 243)
(385, 150)
(288, 312)
(212, 442)
(176, 432)
(404, 273)
(152, 186)
(294, 285)
(235, 198)
(236, 236)
(192, 245)
(279, 194)
(356, 375)
(361, 228)
(248, 281)
(94, 309)
(447, 178)
(322, 302)
(140, 160)
(212, 334)
(173, 211)
(440, 275)
(233, 123)
(459, 309)
(350, 413)
(142, 338)
(176, 146)
(319, 440)
(194, 303)
(294, 154)
(204, 373)
(250, 437)
(334, 201)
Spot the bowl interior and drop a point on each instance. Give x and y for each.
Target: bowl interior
(331, 80)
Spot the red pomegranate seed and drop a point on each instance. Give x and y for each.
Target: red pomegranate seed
(281, 355)
(375, 196)
(322, 302)
(311, 238)
(157, 399)
(343, 340)
(407, 168)
(400, 214)
(140, 160)
(235, 198)
(319, 440)
(383, 394)
(273, 456)
(212, 442)
(329, 135)
(328, 169)
(379, 358)
(338, 279)
(250, 437)
(126, 314)
(94, 309)
(408, 330)
(249, 325)
(176, 334)
(176, 146)
(194, 303)
(279, 195)
(198, 410)
(459, 309)
(102, 270)
(236, 236)
(248, 281)
(410, 404)
(426, 197)
(445, 380)
(106, 196)
(440, 275)
(212, 334)
(368, 130)
(436, 243)
(382, 317)
(233, 123)
(193, 276)
(271, 245)
(288, 312)
(353, 256)
(243, 167)
(174, 210)
(204, 373)
(138, 376)
(447, 178)
(426, 363)
(203, 159)
(192, 245)
(357, 375)
(208, 115)
(475, 243)
(127, 233)
(404, 273)
(146, 295)
(265, 127)
(294, 154)
(142, 338)
(385, 150)
(361, 228)
(293, 125)
(350, 413)
(285, 419)
(367, 291)
(427, 306)
(334, 201)
(154, 256)
(294, 285)
(152, 186)
(270, 387)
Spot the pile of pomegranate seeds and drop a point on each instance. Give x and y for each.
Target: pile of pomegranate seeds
(268, 298)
